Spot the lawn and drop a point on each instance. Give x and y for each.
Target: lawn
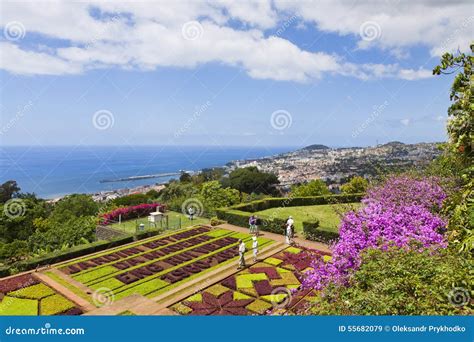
(327, 214)
(174, 219)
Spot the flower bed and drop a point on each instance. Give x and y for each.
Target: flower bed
(157, 265)
(257, 290)
(25, 295)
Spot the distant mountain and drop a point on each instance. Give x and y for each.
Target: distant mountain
(394, 144)
(315, 147)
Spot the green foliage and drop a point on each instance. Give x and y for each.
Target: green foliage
(215, 221)
(77, 205)
(315, 187)
(13, 251)
(63, 234)
(21, 226)
(54, 305)
(8, 190)
(461, 126)
(251, 180)
(207, 175)
(133, 199)
(37, 291)
(213, 196)
(310, 227)
(356, 185)
(185, 177)
(399, 282)
(12, 306)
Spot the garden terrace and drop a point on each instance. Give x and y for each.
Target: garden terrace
(269, 286)
(27, 295)
(154, 266)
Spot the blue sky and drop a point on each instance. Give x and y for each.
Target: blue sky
(258, 73)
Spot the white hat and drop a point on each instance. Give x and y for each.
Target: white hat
(254, 238)
(291, 217)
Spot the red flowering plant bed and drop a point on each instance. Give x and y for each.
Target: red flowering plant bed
(131, 212)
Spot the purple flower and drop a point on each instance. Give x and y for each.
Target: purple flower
(396, 213)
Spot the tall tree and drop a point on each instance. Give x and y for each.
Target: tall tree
(8, 190)
(252, 180)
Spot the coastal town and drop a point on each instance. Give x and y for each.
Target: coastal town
(336, 165)
(333, 165)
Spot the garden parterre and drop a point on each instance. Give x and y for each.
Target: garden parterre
(26, 295)
(271, 286)
(155, 266)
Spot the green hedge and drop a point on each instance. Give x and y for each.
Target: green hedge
(74, 252)
(313, 232)
(269, 203)
(241, 218)
(239, 214)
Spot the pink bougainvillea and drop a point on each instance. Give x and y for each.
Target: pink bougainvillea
(131, 212)
(395, 213)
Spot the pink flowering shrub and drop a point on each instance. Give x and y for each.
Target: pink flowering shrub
(404, 190)
(395, 214)
(131, 212)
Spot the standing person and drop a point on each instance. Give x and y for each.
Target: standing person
(191, 213)
(252, 221)
(241, 254)
(255, 248)
(289, 230)
(256, 225)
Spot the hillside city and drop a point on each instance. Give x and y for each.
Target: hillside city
(336, 165)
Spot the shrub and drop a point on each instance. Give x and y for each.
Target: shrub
(385, 221)
(215, 221)
(400, 282)
(132, 212)
(310, 228)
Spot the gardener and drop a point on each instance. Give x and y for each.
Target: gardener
(255, 248)
(252, 222)
(241, 254)
(289, 230)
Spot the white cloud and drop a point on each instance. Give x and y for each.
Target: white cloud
(439, 25)
(147, 35)
(18, 61)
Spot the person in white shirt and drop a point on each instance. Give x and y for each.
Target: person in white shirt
(255, 248)
(289, 230)
(241, 254)
(191, 213)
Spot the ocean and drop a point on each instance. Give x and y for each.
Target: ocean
(54, 171)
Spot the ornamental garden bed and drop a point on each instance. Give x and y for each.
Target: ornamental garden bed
(157, 265)
(27, 296)
(269, 287)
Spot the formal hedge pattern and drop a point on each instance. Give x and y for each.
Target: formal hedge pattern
(271, 286)
(157, 265)
(26, 296)
(239, 214)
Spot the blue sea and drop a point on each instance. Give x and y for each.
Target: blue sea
(55, 171)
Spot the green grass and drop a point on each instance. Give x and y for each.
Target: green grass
(174, 218)
(326, 213)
